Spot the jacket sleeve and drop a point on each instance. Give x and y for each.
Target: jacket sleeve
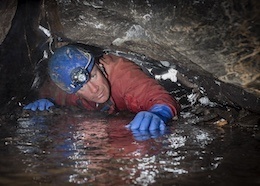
(136, 91)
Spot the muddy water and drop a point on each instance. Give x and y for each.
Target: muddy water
(90, 149)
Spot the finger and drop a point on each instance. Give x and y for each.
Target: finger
(28, 107)
(165, 131)
(41, 105)
(162, 126)
(155, 133)
(155, 123)
(135, 123)
(49, 105)
(144, 125)
(34, 106)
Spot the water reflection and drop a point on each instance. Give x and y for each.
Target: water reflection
(91, 149)
(99, 150)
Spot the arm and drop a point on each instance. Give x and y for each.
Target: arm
(51, 95)
(133, 90)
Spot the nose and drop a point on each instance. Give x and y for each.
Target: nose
(93, 88)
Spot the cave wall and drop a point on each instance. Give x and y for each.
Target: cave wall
(207, 37)
(7, 12)
(222, 37)
(20, 51)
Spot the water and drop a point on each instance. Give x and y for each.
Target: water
(73, 148)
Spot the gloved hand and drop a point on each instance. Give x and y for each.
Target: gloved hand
(41, 104)
(154, 119)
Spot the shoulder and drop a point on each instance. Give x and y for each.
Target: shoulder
(112, 62)
(110, 58)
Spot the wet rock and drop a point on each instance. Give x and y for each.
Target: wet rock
(257, 136)
(220, 123)
(249, 120)
(228, 113)
(221, 37)
(7, 11)
(211, 44)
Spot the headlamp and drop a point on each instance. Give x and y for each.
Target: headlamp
(79, 76)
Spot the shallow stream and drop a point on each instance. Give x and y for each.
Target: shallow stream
(75, 147)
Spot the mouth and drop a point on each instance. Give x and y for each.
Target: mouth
(100, 95)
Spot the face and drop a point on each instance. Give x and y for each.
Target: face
(97, 89)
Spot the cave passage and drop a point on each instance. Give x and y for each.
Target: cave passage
(215, 140)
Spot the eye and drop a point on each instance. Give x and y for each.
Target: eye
(93, 75)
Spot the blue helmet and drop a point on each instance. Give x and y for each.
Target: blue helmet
(70, 67)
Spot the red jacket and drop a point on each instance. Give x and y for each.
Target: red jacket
(131, 89)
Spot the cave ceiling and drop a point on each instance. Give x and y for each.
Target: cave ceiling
(216, 38)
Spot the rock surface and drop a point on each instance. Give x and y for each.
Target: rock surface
(222, 37)
(213, 44)
(7, 11)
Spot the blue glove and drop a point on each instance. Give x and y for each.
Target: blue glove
(41, 104)
(154, 119)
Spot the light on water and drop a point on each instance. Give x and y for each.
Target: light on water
(85, 148)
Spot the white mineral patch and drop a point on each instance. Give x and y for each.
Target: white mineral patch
(135, 32)
(45, 54)
(192, 98)
(147, 17)
(45, 31)
(218, 83)
(205, 101)
(171, 74)
(165, 63)
(186, 114)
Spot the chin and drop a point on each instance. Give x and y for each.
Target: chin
(103, 99)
